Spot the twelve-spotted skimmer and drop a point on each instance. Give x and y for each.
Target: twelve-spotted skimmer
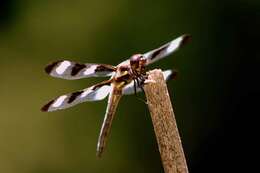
(126, 78)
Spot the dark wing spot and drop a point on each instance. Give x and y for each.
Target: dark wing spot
(50, 67)
(157, 52)
(96, 87)
(74, 96)
(186, 39)
(104, 68)
(76, 69)
(45, 108)
(174, 75)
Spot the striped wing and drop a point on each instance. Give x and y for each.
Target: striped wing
(166, 49)
(72, 70)
(93, 93)
(129, 89)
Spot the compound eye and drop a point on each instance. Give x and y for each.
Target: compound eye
(142, 61)
(135, 59)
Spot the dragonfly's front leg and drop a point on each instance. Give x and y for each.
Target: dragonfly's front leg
(135, 86)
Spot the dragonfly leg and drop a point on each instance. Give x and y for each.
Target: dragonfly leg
(135, 86)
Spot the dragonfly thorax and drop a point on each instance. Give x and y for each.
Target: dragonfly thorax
(122, 76)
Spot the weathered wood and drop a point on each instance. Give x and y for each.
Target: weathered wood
(165, 127)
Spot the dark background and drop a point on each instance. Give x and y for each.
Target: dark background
(215, 96)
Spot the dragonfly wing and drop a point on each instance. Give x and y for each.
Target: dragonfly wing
(113, 100)
(166, 49)
(130, 88)
(93, 93)
(72, 70)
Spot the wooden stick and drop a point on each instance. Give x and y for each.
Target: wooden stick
(164, 123)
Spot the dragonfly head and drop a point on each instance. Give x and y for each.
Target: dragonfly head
(137, 62)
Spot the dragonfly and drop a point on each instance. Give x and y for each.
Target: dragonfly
(126, 78)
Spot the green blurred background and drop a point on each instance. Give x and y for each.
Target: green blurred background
(212, 95)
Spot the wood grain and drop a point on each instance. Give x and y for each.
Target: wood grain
(164, 123)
